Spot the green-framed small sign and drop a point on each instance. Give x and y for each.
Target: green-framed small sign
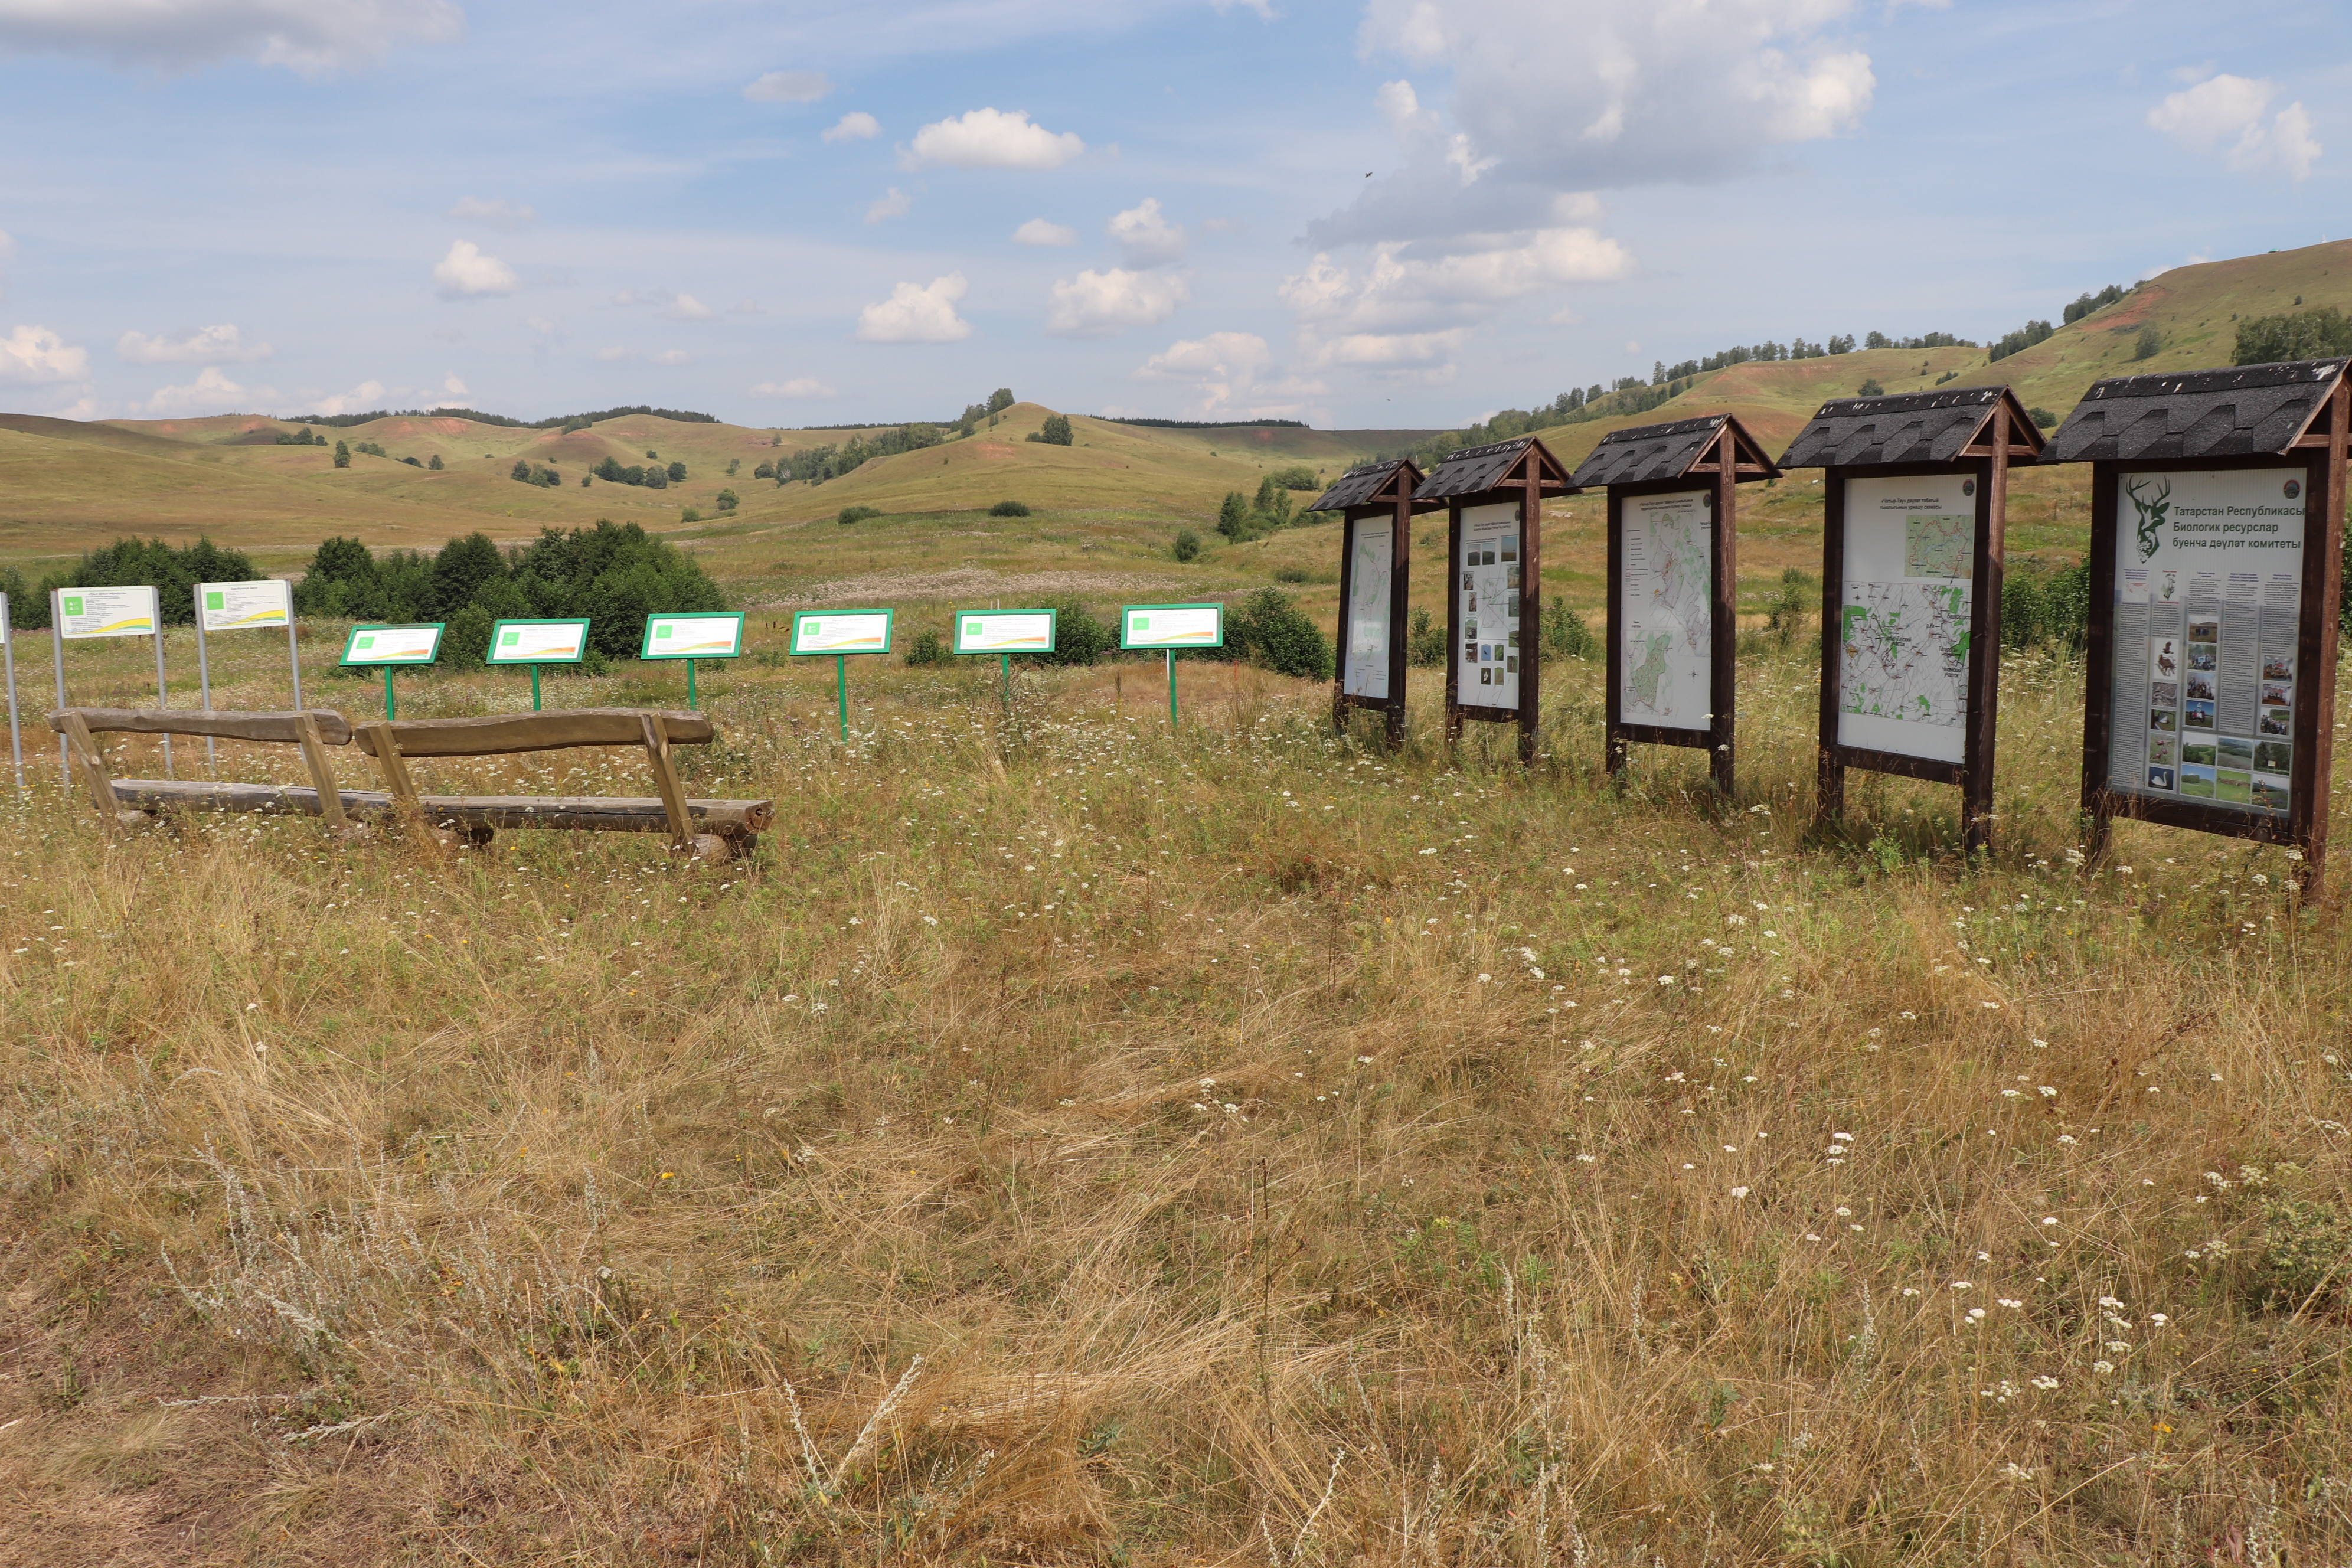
(537, 641)
(1157, 627)
(840, 633)
(701, 634)
(391, 647)
(1005, 632)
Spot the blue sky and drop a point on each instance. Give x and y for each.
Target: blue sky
(821, 212)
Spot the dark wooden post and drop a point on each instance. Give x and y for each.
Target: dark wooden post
(1984, 633)
(1453, 626)
(1399, 609)
(1530, 602)
(2099, 665)
(2321, 629)
(1616, 754)
(1829, 783)
(1723, 647)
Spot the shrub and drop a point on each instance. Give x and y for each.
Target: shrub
(1187, 546)
(1564, 634)
(1056, 432)
(1291, 575)
(1079, 637)
(1424, 641)
(2043, 418)
(1297, 477)
(929, 647)
(676, 472)
(172, 571)
(850, 514)
(690, 514)
(1008, 509)
(468, 638)
(1870, 388)
(2322, 334)
(2306, 1257)
(1271, 630)
(728, 500)
(2149, 343)
(436, 465)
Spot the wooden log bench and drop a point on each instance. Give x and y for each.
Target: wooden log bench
(695, 826)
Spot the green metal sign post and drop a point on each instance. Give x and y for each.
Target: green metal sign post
(840, 633)
(392, 646)
(1005, 633)
(537, 641)
(716, 633)
(1167, 627)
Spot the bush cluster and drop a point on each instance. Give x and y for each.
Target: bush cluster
(173, 571)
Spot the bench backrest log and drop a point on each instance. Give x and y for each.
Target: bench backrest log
(393, 742)
(313, 729)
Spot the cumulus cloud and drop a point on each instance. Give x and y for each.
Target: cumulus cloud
(917, 315)
(799, 386)
(210, 392)
(453, 388)
(1098, 304)
(305, 35)
(1145, 237)
(32, 356)
(465, 273)
(892, 203)
(671, 356)
(613, 353)
(1231, 374)
(366, 395)
(1599, 94)
(687, 308)
(854, 126)
(788, 87)
(990, 138)
(1037, 231)
(223, 344)
(499, 213)
(2229, 109)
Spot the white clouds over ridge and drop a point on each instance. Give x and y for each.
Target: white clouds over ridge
(990, 138)
(305, 36)
(1230, 375)
(36, 356)
(2228, 108)
(1097, 304)
(223, 344)
(918, 315)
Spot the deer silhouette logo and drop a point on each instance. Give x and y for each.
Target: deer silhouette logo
(2151, 510)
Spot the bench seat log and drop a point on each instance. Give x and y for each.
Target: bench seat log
(737, 819)
(333, 728)
(498, 733)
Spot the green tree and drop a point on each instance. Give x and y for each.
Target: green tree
(1233, 515)
(1000, 400)
(1188, 545)
(460, 571)
(342, 455)
(1272, 631)
(677, 473)
(728, 500)
(1297, 477)
(2150, 344)
(2323, 333)
(733, 463)
(521, 470)
(435, 464)
(1056, 432)
(1870, 388)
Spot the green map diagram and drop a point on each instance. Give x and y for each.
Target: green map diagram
(1653, 670)
(1668, 598)
(1905, 651)
(1937, 545)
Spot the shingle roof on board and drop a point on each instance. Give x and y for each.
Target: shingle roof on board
(1645, 452)
(1472, 469)
(1357, 486)
(1910, 427)
(2250, 410)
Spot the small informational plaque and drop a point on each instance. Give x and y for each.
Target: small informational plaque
(2207, 614)
(106, 613)
(393, 645)
(242, 607)
(1487, 585)
(1004, 631)
(841, 631)
(537, 641)
(1666, 591)
(1902, 640)
(1154, 627)
(1371, 572)
(703, 635)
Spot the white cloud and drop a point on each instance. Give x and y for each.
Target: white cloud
(453, 388)
(1597, 94)
(223, 344)
(893, 204)
(500, 214)
(788, 87)
(1037, 231)
(610, 355)
(1231, 374)
(1097, 304)
(2229, 109)
(1147, 237)
(305, 35)
(687, 308)
(210, 392)
(913, 315)
(854, 126)
(465, 273)
(366, 395)
(799, 386)
(671, 356)
(990, 138)
(33, 355)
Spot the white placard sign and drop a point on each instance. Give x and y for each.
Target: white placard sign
(392, 644)
(1371, 549)
(842, 631)
(1486, 591)
(240, 606)
(1667, 595)
(694, 636)
(106, 613)
(1902, 621)
(1171, 625)
(1004, 631)
(2208, 598)
(537, 641)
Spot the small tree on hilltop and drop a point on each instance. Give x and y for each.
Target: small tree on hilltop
(1000, 400)
(1056, 432)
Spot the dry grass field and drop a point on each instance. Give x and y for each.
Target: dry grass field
(1073, 1142)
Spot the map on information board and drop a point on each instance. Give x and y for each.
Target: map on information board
(1902, 633)
(1667, 598)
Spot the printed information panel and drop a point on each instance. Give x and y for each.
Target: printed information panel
(708, 635)
(1171, 625)
(1487, 586)
(2209, 584)
(1004, 631)
(392, 644)
(841, 631)
(537, 641)
(241, 607)
(1903, 629)
(1667, 591)
(106, 613)
(1372, 563)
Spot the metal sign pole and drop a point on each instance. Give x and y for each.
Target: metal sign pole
(841, 689)
(57, 658)
(1172, 687)
(293, 652)
(8, 651)
(161, 700)
(690, 685)
(204, 682)
(390, 713)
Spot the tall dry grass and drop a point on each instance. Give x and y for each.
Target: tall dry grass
(1076, 1144)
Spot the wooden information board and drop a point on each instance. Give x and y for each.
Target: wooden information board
(1375, 506)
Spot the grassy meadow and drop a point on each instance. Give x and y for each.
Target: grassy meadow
(1078, 1142)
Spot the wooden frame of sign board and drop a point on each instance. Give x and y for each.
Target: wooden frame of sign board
(1518, 474)
(2289, 419)
(1366, 498)
(1971, 434)
(1651, 461)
